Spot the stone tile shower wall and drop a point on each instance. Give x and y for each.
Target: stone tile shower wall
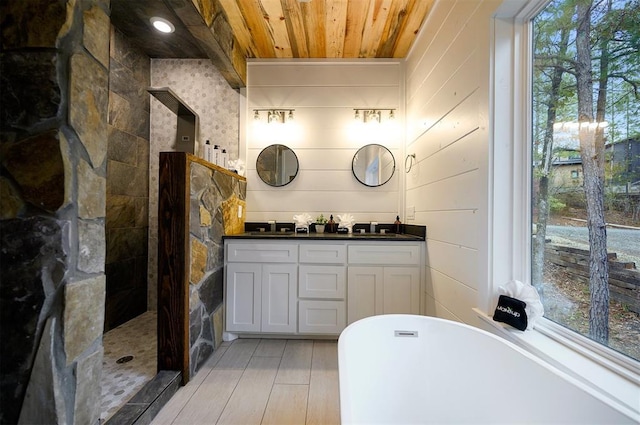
(127, 215)
(53, 148)
(199, 84)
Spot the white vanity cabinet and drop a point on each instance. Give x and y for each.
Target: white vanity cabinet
(261, 287)
(317, 287)
(322, 288)
(383, 279)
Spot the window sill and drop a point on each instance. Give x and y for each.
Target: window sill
(618, 384)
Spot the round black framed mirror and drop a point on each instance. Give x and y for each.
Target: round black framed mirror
(373, 165)
(277, 165)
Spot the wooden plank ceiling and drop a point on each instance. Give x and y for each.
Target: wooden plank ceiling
(325, 28)
(231, 31)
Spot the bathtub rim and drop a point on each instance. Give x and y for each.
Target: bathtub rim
(608, 401)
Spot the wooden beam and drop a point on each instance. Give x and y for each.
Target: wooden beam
(173, 252)
(215, 37)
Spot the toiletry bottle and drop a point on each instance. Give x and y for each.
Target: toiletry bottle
(223, 155)
(207, 151)
(216, 155)
(331, 225)
(396, 224)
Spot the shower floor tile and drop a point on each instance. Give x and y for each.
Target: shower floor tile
(135, 344)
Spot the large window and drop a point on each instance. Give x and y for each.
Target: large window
(586, 168)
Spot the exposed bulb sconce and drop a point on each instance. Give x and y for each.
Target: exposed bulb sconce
(373, 115)
(274, 115)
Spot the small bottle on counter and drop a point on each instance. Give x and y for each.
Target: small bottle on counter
(207, 155)
(397, 224)
(216, 155)
(331, 225)
(223, 158)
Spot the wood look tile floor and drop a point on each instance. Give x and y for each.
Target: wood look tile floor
(261, 382)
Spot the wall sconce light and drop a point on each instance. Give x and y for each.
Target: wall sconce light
(274, 115)
(373, 115)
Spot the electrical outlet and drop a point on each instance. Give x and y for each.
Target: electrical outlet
(185, 138)
(411, 213)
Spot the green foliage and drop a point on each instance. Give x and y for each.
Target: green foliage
(555, 205)
(321, 220)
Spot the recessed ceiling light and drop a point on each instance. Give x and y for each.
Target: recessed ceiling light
(162, 25)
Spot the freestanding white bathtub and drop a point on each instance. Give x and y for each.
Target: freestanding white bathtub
(406, 369)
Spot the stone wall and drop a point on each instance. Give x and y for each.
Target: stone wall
(53, 122)
(215, 197)
(127, 214)
(199, 203)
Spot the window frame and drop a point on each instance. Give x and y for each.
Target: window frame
(614, 375)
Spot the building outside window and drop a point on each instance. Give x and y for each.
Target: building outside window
(585, 94)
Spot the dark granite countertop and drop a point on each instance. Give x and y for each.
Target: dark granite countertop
(410, 233)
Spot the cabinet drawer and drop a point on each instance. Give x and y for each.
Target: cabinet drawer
(262, 253)
(323, 254)
(321, 317)
(322, 282)
(396, 254)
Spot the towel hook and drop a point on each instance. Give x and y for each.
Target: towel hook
(411, 157)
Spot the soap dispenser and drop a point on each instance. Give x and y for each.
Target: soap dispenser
(331, 225)
(396, 224)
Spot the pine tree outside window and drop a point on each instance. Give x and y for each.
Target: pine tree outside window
(585, 96)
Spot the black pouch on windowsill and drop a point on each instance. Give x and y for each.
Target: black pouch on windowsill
(512, 312)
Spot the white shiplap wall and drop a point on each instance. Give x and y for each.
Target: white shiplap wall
(324, 137)
(447, 83)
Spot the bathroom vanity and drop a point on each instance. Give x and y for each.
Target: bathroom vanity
(313, 285)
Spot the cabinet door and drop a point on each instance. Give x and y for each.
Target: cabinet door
(364, 292)
(401, 290)
(279, 296)
(243, 292)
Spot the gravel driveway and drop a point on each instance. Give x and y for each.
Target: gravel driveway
(624, 242)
